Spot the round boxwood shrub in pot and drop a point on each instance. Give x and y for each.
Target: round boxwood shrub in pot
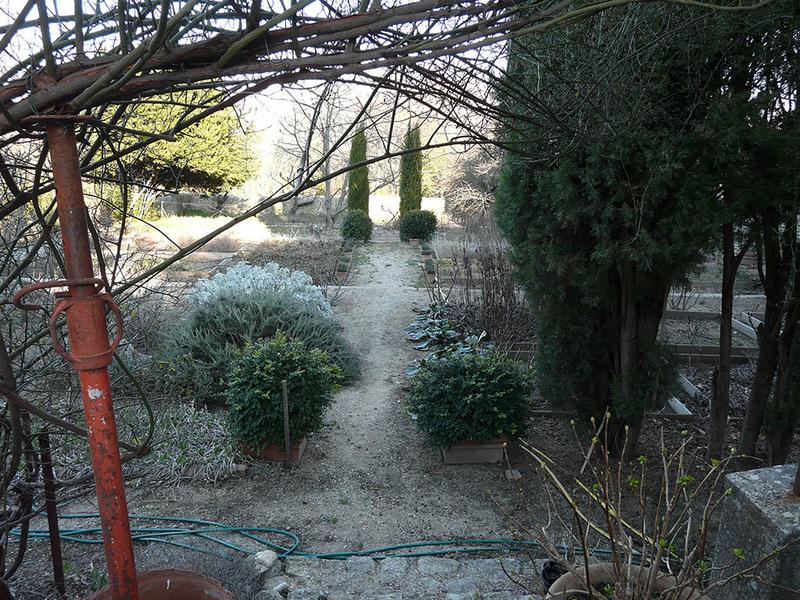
(241, 306)
(417, 225)
(254, 392)
(479, 397)
(357, 226)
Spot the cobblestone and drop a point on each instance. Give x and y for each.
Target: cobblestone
(426, 578)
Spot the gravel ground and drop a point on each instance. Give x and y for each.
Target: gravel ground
(369, 478)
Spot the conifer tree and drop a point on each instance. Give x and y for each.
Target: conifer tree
(411, 173)
(358, 180)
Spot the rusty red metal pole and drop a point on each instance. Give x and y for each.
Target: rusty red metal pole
(90, 354)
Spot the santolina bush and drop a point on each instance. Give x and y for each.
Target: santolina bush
(199, 349)
(246, 280)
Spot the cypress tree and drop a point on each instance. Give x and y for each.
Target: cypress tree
(358, 186)
(411, 173)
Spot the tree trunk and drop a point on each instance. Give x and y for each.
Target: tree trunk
(326, 171)
(721, 397)
(768, 332)
(785, 404)
(640, 313)
(785, 408)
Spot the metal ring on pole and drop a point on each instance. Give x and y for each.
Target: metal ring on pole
(86, 362)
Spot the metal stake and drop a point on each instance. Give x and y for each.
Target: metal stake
(287, 440)
(90, 354)
(52, 513)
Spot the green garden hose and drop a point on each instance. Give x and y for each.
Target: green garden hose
(210, 530)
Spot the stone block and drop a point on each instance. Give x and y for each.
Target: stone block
(360, 565)
(429, 565)
(393, 568)
(759, 517)
(427, 585)
(465, 585)
(305, 594)
(266, 562)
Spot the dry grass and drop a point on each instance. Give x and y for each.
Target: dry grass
(317, 257)
(165, 233)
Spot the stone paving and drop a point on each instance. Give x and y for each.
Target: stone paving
(426, 578)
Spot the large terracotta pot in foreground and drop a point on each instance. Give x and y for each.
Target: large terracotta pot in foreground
(172, 584)
(571, 585)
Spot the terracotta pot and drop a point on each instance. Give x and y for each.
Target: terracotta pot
(172, 584)
(414, 242)
(566, 586)
(275, 452)
(468, 452)
(341, 275)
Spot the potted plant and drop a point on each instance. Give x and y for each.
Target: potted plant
(356, 225)
(171, 584)
(425, 250)
(417, 225)
(470, 404)
(342, 268)
(649, 582)
(255, 395)
(430, 270)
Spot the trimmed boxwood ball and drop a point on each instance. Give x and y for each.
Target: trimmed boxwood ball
(470, 397)
(417, 225)
(357, 226)
(255, 394)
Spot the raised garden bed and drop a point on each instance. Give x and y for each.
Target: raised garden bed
(276, 452)
(471, 452)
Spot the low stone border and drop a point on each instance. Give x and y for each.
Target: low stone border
(426, 578)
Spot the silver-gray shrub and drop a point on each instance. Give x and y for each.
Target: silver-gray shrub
(198, 350)
(244, 279)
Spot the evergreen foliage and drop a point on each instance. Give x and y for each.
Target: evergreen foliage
(417, 225)
(603, 223)
(210, 156)
(356, 225)
(254, 392)
(241, 307)
(470, 397)
(411, 173)
(358, 178)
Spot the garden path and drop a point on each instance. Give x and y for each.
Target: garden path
(369, 478)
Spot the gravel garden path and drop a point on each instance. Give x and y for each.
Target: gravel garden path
(369, 478)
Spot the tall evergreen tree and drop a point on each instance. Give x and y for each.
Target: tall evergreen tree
(358, 179)
(211, 156)
(602, 200)
(411, 173)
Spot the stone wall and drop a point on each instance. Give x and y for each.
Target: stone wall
(759, 517)
(425, 578)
